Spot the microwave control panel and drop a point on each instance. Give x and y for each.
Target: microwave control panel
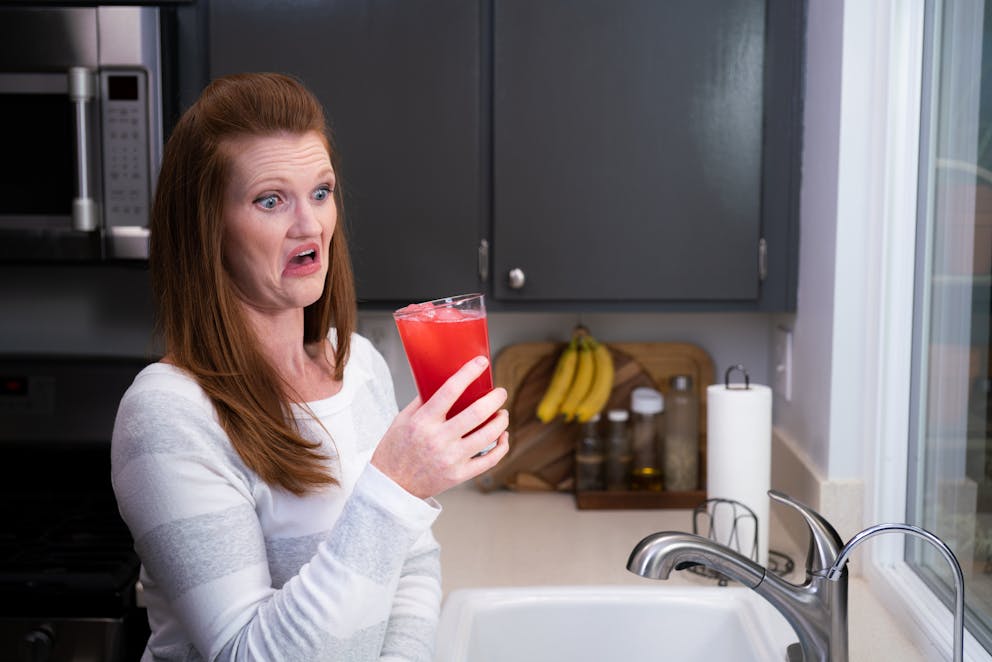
(127, 186)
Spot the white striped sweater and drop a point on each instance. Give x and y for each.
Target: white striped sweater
(235, 569)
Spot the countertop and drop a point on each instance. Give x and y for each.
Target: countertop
(540, 538)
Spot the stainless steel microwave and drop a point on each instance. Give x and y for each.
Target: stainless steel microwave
(81, 115)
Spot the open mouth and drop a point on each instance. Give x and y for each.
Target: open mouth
(304, 257)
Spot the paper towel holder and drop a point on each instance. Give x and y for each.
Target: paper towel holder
(726, 378)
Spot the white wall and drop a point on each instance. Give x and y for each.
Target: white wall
(857, 228)
(806, 418)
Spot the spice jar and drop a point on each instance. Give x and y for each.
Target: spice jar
(590, 458)
(647, 406)
(618, 452)
(681, 463)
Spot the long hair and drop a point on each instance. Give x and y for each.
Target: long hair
(199, 315)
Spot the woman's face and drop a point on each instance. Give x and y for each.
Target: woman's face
(279, 215)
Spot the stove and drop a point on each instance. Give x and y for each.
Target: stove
(68, 569)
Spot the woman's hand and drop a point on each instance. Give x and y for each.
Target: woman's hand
(426, 454)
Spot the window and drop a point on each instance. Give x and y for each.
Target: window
(949, 481)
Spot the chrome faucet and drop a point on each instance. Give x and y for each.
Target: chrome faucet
(817, 608)
(872, 531)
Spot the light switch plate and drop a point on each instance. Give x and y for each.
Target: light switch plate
(782, 353)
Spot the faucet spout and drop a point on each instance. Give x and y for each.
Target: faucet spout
(658, 554)
(816, 610)
(952, 561)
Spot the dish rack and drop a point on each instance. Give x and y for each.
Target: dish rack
(710, 520)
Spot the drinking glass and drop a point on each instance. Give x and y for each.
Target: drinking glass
(439, 337)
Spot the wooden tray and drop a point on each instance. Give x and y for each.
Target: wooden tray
(541, 454)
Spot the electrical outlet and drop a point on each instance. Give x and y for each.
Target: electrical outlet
(782, 379)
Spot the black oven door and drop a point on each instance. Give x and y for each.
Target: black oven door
(68, 569)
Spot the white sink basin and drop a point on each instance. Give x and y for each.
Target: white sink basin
(607, 623)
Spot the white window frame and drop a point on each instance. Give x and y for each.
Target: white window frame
(886, 39)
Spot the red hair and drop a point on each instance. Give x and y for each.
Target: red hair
(199, 316)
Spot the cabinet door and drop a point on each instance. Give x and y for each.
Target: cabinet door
(400, 84)
(627, 149)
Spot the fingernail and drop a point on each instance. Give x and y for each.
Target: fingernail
(481, 360)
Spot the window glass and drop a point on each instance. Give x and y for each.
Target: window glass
(950, 480)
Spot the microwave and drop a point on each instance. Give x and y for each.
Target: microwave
(81, 109)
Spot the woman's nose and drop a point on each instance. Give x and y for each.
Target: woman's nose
(306, 222)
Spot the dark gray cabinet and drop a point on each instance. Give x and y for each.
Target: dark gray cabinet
(400, 82)
(615, 153)
(627, 148)
(629, 151)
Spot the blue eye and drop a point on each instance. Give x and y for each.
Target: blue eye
(267, 201)
(322, 193)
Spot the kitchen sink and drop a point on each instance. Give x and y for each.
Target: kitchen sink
(602, 623)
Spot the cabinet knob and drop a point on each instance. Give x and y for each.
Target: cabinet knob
(516, 278)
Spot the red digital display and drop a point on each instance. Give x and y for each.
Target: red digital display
(13, 386)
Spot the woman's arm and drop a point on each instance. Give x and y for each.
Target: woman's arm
(192, 514)
(413, 620)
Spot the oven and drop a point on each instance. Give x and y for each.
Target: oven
(83, 95)
(68, 570)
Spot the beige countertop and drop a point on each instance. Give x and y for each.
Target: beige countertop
(530, 539)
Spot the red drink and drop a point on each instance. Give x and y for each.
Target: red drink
(439, 338)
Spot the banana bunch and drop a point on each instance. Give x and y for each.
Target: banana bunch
(581, 383)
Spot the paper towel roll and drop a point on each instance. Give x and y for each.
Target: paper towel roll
(738, 458)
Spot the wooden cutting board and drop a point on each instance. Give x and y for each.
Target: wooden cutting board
(540, 454)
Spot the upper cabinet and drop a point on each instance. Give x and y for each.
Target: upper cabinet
(612, 153)
(400, 82)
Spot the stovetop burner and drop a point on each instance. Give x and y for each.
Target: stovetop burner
(65, 554)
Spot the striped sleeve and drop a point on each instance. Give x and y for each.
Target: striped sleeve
(190, 508)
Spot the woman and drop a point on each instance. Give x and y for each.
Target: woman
(280, 505)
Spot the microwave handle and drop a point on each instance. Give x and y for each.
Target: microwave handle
(82, 90)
